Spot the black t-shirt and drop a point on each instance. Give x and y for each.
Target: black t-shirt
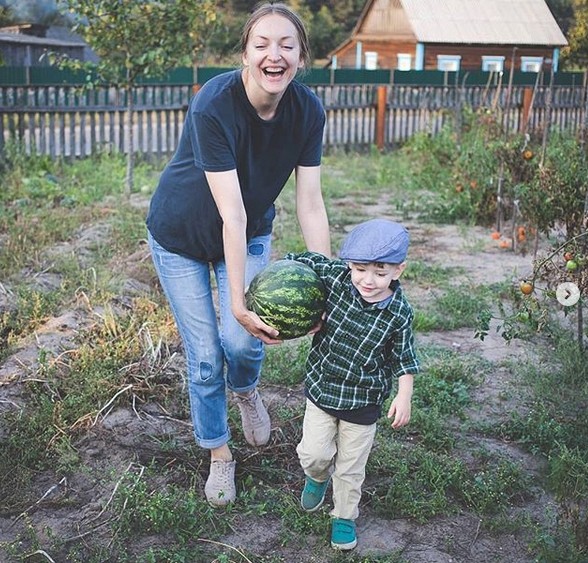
(363, 415)
(221, 132)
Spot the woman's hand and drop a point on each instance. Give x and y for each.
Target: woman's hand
(256, 327)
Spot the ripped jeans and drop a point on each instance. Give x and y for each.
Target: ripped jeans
(211, 345)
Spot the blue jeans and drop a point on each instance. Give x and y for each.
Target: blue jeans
(211, 343)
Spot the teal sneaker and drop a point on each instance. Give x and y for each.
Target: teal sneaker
(343, 535)
(313, 494)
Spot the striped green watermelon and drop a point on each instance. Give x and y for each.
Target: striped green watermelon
(289, 296)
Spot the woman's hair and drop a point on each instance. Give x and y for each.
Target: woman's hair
(269, 8)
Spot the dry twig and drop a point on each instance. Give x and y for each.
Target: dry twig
(117, 485)
(40, 552)
(45, 495)
(227, 545)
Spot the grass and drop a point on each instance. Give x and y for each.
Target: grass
(284, 364)
(126, 354)
(452, 308)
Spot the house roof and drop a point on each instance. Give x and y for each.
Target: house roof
(512, 22)
(32, 40)
(476, 22)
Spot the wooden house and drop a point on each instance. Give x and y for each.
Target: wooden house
(28, 44)
(451, 35)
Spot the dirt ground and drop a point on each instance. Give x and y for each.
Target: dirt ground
(117, 439)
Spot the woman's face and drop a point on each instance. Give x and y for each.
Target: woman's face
(272, 55)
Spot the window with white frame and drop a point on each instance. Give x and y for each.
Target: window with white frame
(492, 63)
(531, 64)
(404, 61)
(448, 63)
(371, 60)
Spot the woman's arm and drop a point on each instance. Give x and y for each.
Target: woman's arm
(227, 196)
(311, 211)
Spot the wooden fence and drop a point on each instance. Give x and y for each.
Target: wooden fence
(70, 122)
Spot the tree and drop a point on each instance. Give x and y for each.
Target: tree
(222, 47)
(576, 53)
(139, 38)
(5, 16)
(563, 12)
(322, 31)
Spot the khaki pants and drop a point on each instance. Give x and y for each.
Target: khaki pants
(334, 448)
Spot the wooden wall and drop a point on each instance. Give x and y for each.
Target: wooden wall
(471, 56)
(387, 53)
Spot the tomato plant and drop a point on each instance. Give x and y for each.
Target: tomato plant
(571, 265)
(526, 287)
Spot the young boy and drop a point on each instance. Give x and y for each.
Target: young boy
(366, 343)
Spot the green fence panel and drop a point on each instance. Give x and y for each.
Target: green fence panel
(204, 74)
(317, 76)
(46, 75)
(422, 77)
(13, 75)
(176, 77)
(569, 78)
(361, 76)
(21, 76)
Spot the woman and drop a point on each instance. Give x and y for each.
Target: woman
(244, 134)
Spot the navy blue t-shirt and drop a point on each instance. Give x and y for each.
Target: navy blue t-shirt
(221, 132)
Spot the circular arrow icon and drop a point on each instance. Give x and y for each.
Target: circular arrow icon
(567, 294)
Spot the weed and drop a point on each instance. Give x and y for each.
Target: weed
(556, 541)
(536, 428)
(148, 509)
(453, 308)
(568, 473)
(430, 274)
(284, 364)
(418, 483)
(297, 523)
(495, 485)
(394, 557)
(429, 428)
(28, 311)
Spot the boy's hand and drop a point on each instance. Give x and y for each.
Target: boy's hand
(400, 407)
(400, 411)
(318, 325)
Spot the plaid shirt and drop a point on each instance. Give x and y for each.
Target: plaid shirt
(362, 346)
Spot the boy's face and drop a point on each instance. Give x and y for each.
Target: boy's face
(373, 280)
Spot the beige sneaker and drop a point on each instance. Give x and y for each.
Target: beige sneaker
(254, 417)
(220, 486)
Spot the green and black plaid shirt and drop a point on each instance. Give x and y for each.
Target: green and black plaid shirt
(362, 346)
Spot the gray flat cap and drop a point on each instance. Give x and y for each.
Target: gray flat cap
(378, 240)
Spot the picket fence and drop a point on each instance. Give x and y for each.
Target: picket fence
(65, 121)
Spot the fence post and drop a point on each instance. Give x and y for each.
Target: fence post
(381, 116)
(527, 103)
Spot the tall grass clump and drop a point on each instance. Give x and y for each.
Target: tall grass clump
(428, 160)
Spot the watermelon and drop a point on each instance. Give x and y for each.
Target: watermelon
(288, 296)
